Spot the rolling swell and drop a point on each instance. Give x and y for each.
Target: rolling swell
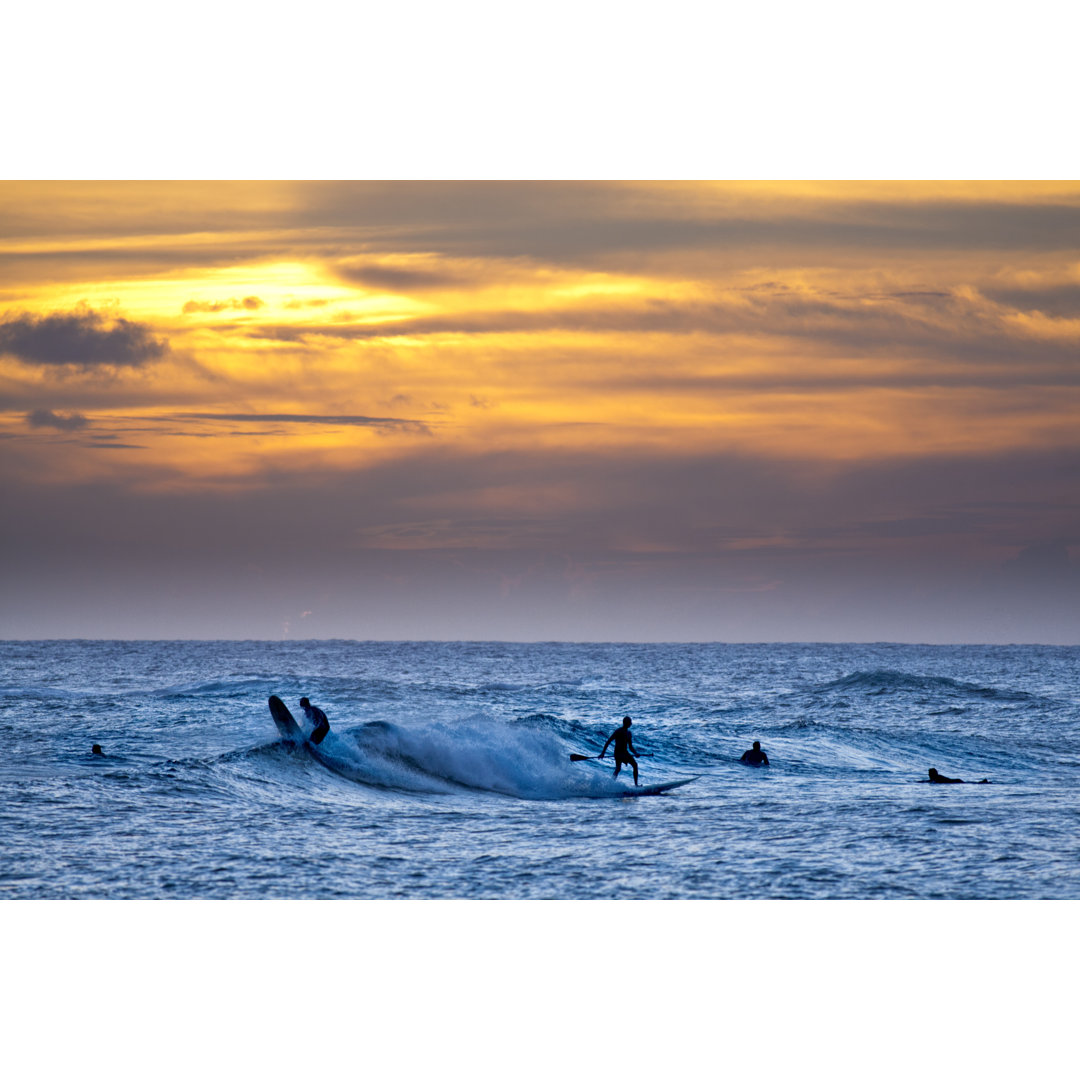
(218, 688)
(899, 682)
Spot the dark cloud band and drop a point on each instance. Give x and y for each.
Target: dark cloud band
(46, 418)
(395, 422)
(81, 338)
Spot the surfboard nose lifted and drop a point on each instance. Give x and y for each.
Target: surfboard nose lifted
(284, 719)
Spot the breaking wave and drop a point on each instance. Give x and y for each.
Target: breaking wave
(521, 760)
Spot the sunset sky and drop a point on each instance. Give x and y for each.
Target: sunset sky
(531, 411)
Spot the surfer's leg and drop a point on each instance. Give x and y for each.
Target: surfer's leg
(618, 768)
(633, 761)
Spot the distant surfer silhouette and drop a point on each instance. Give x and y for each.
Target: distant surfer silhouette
(624, 748)
(937, 778)
(318, 718)
(755, 755)
(95, 749)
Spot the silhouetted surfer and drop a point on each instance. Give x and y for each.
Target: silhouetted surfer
(755, 756)
(318, 718)
(937, 778)
(624, 748)
(96, 750)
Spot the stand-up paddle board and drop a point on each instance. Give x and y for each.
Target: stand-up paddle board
(654, 789)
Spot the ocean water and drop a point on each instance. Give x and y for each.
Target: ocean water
(447, 771)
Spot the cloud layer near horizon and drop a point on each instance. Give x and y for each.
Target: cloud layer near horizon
(694, 411)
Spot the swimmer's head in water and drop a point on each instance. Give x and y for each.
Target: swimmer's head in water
(304, 702)
(626, 721)
(95, 749)
(933, 772)
(757, 745)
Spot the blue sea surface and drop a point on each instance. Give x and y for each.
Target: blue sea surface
(447, 773)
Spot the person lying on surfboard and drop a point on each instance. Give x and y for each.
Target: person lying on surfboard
(937, 778)
(755, 756)
(624, 748)
(318, 718)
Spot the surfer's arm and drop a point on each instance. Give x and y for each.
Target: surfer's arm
(607, 744)
(764, 757)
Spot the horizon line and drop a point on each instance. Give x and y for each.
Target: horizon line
(537, 641)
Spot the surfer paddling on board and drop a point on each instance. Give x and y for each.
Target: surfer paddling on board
(624, 748)
(937, 778)
(318, 718)
(755, 755)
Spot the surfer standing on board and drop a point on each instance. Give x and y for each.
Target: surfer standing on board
(318, 718)
(624, 748)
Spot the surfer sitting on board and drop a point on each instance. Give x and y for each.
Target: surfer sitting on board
(318, 718)
(755, 756)
(937, 778)
(624, 748)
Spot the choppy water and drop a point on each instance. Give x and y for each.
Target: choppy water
(450, 773)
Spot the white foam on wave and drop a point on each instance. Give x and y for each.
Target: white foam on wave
(478, 754)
